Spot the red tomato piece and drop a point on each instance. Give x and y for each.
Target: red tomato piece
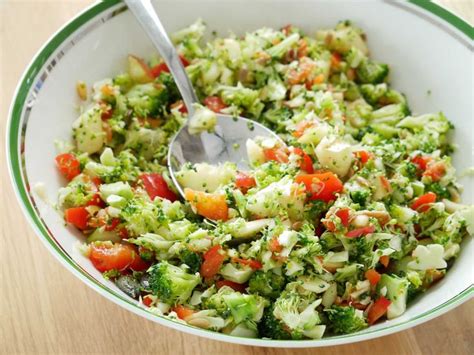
(276, 154)
(378, 309)
(301, 128)
(112, 225)
(321, 186)
(335, 60)
(373, 276)
(319, 230)
(138, 264)
(123, 233)
(435, 171)
(108, 256)
(421, 161)
(305, 163)
(213, 260)
(214, 103)
(344, 216)
(384, 260)
(183, 312)
(233, 285)
(184, 61)
(212, 206)
(147, 300)
(77, 216)
(68, 165)
(156, 186)
(96, 201)
(96, 181)
(274, 245)
(244, 182)
(254, 264)
(163, 68)
(363, 156)
(359, 232)
(158, 69)
(107, 112)
(180, 105)
(422, 203)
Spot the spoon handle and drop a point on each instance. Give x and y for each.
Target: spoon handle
(148, 19)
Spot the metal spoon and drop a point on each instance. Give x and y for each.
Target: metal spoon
(227, 143)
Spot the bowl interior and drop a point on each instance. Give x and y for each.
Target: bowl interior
(430, 62)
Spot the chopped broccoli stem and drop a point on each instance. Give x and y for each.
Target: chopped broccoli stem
(171, 283)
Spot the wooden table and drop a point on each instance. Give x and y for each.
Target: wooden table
(45, 309)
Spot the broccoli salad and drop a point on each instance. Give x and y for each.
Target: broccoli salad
(336, 229)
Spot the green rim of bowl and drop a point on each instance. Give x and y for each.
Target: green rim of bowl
(446, 15)
(15, 161)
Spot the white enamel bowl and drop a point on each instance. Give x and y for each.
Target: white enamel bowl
(429, 51)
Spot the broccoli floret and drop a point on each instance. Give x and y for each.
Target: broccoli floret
(267, 284)
(76, 193)
(155, 243)
(124, 168)
(362, 250)
(390, 114)
(245, 307)
(172, 284)
(343, 38)
(277, 117)
(144, 141)
(440, 190)
(142, 216)
(427, 123)
(350, 272)
(344, 320)
(270, 327)
(355, 57)
(370, 72)
(428, 218)
(408, 169)
(241, 307)
(329, 241)
(216, 301)
(315, 209)
(415, 285)
(392, 97)
(381, 95)
(279, 49)
(172, 92)
(360, 196)
(124, 81)
(351, 92)
(298, 313)
(373, 93)
(146, 254)
(413, 292)
(147, 99)
(397, 289)
(191, 259)
(194, 31)
(243, 97)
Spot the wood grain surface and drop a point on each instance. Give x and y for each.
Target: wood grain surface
(45, 309)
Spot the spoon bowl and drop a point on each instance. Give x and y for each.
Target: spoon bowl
(227, 143)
